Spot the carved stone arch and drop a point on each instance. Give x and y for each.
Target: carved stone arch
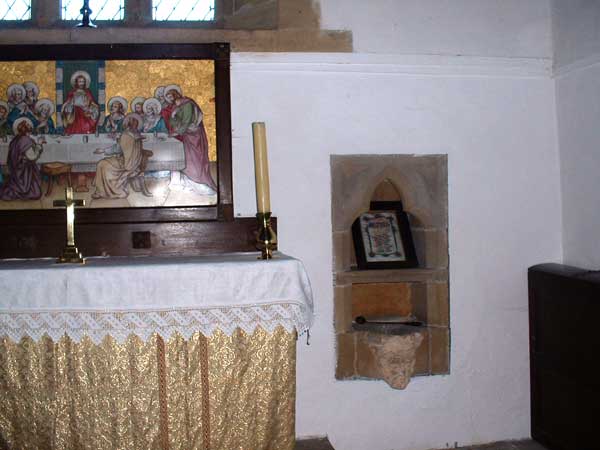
(386, 191)
(411, 195)
(412, 189)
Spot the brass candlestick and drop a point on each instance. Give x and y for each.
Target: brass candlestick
(266, 241)
(70, 253)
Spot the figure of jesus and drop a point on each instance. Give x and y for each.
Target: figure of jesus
(80, 111)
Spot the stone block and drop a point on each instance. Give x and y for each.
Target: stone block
(366, 364)
(252, 15)
(342, 301)
(438, 307)
(247, 4)
(303, 14)
(422, 354)
(136, 13)
(344, 368)
(440, 350)
(343, 251)
(381, 299)
(419, 294)
(386, 191)
(431, 246)
(46, 13)
(289, 40)
(226, 8)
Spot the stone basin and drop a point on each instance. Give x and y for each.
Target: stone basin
(393, 329)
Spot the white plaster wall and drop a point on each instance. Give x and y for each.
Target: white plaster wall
(500, 135)
(495, 118)
(452, 27)
(576, 31)
(576, 34)
(578, 106)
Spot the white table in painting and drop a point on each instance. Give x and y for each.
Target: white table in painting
(80, 151)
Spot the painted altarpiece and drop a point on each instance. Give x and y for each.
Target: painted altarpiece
(72, 152)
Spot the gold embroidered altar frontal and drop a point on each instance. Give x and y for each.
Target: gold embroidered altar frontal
(208, 393)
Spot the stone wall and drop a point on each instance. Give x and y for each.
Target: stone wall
(248, 25)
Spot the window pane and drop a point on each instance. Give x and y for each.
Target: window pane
(183, 10)
(101, 9)
(15, 9)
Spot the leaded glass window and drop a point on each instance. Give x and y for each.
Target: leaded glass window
(101, 9)
(192, 10)
(15, 9)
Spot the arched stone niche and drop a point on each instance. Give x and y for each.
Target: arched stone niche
(421, 183)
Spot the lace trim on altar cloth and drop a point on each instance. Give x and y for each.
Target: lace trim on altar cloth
(120, 324)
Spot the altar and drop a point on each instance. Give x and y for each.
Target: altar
(151, 353)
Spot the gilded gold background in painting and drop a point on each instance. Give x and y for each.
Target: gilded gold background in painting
(43, 73)
(131, 79)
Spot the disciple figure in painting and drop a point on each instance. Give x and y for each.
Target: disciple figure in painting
(80, 111)
(159, 94)
(113, 173)
(153, 121)
(43, 111)
(113, 122)
(137, 105)
(24, 179)
(32, 92)
(16, 103)
(4, 126)
(185, 123)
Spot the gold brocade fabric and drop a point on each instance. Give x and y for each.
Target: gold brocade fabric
(207, 393)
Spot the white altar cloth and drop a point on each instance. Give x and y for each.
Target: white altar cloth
(145, 295)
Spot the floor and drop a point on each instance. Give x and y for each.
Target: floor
(323, 444)
(508, 445)
(314, 444)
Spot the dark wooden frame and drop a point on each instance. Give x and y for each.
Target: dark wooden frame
(206, 229)
(405, 234)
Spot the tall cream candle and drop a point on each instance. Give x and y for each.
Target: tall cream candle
(261, 168)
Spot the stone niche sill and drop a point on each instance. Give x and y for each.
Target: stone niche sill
(390, 276)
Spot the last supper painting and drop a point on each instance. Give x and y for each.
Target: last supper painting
(123, 133)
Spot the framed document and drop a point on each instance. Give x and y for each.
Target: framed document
(382, 240)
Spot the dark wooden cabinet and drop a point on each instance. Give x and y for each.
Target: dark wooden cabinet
(564, 306)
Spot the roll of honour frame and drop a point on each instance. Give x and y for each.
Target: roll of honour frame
(266, 239)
